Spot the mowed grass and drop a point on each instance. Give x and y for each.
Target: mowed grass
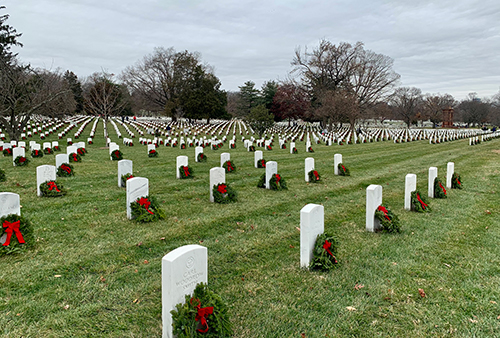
(110, 267)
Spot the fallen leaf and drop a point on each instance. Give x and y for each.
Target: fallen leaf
(394, 263)
(492, 302)
(162, 239)
(303, 335)
(135, 301)
(472, 320)
(351, 308)
(66, 307)
(146, 261)
(103, 279)
(421, 292)
(358, 286)
(297, 228)
(57, 276)
(291, 246)
(139, 244)
(448, 265)
(488, 212)
(240, 230)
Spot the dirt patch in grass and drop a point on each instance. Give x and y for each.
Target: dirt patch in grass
(496, 151)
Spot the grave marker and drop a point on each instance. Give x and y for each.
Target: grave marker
(257, 156)
(217, 176)
(136, 187)
(181, 161)
(17, 151)
(61, 158)
(312, 224)
(450, 169)
(124, 168)
(373, 201)
(337, 159)
(271, 169)
(433, 173)
(44, 173)
(224, 157)
(309, 165)
(197, 151)
(410, 186)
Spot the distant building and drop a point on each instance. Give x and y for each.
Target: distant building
(448, 117)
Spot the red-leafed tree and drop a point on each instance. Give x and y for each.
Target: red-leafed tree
(291, 101)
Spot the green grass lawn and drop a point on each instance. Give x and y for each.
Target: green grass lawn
(93, 273)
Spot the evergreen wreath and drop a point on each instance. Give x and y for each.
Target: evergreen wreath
(52, 189)
(229, 166)
(268, 147)
(48, 151)
(324, 253)
(294, 150)
(74, 157)
(233, 145)
(314, 176)
(251, 148)
(262, 181)
(388, 220)
(310, 149)
(3, 178)
(56, 148)
(185, 172)
(36, 153)
(146, 209)
(65, 170)
(202, 157)
(214, 147)
(203, 315)
(419, 202)
(456, 181)
(439, 190)
(81, 151)
(116, 155)
(261, 163)
(277, 183)
(125, 178)
(153, 153)
(7, 152)
(21, 161)
(19, 234)
(70, 143)
(283, 146)
(224, 194)
(343, 171)
(183, 146)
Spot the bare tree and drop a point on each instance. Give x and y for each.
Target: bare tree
(103, 96)
(473, 110)
(433, 105)
(338, 107)
(407, 101)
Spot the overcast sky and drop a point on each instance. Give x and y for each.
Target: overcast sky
(438, 46)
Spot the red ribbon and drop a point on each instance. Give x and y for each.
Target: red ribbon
(343, 167)
(52, 186)
(384, 210)
(145, 203)
(202, 315)
(278, 178)
(421, 202)
(327, 247)
(222, 188)
(36, 152)
(229, 166)
(263, 163)
(186, 171)
(128, 178)
(316, 175)
(12, 228)
(75, 159)
(22, 159)
(444, 190)
(66, 168)
(458, 181)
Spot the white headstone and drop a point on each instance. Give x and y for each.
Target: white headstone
(308, 144)
(10, 203)
(224, 157)
(55, 144)
(17, 151)
(197, 151)
(151, 147)
(257, 157)
(450, 169)
(410, 186)
(21, 144)
(309, 165)
(61, 158)
(181, 161)
(312, 224)
(36, 146)
(373, 201)
(46, 145)
(181, 270)
(217, 176)
(271, 169)
(136, 187)
(433, 173)
(292, 145)
(124, 167)
(44, 173)
(337, 159)
(112, 147)
(71, 149)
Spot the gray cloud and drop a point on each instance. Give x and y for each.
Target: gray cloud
(446, 46)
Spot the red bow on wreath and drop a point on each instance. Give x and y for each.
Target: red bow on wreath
(421, 202)
(222, 188)
(12, 228)
(22, 159)
(458, 181)
(278, 178)
(186, 171)
(229, 166)
(117, 153)
(316, 175)
(384, 210)
(36, 152)
(444, 190)
(145, 203)
(66, 168)
(202, 315)
(327, 247)
(75, 159)
(52, 186)
(343, 168)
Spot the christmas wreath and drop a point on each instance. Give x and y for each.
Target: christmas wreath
(388, 220)
(81, 151)
(223, 193)
(314, 176)
(251, 148)
(48, 151)
(310, 149)
(153, 153)
(294, 150)
(185, 172)
(183, 146)
(125, 178)
(116, 155)
(74, 157)
(7, 152)
(324, 252)
(21, 161)
(3, 178)
(56, 148)
(283, 146)
(203, 315)
(262, 181)
(261, 163)
(229, 166)
(36, 153)
(419, 202)
(202, 157)
(439, 190)
(277, 183)
(456, 181)
(19, 234)
(233, 145)
(91, 142)
(146, 209)
(70, 143)
(343, 171)
(268, 147)
(52, 189)
(65, 170)
(214, 147)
